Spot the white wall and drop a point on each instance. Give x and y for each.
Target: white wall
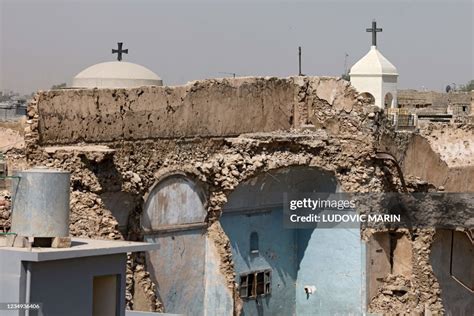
(378, 86)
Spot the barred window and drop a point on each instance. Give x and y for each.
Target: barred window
(255, 284)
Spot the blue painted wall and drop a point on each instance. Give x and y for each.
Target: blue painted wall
(332, 260)
(178, 270)
(179, 266)
(219, 299)
(187, 274)
(186, 267)
(277, 251)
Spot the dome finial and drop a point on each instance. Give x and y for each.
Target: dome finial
(374, 31)
(119, 51)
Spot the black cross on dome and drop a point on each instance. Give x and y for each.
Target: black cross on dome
(119, 51)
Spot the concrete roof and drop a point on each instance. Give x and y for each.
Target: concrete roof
(81, 247)
(373, 63)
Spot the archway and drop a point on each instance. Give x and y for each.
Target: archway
(174, 217)
(283, 271)
(369, 99)
(388, 100)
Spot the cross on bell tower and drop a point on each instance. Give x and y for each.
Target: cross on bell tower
(374, 31)
(119, 51)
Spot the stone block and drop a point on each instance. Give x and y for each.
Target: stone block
(61, 242)
(402, 256)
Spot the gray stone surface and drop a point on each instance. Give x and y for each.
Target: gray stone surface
(81, 247)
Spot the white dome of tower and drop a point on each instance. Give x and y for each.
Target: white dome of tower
(116, 74)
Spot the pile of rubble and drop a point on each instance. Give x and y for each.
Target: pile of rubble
(89, 218)
(417, 294)
(140, 291)
(5, 211)
(9, 139)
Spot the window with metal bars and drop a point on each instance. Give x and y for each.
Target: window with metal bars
(255, 284)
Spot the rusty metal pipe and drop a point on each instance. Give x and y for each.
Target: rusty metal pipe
(387, 156)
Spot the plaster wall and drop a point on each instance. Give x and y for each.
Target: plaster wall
(390, 86)
(219, 300)
(378, 86)
(457, 299)
(186, 270)
(174, 201)
(372, 85)
(178, 270)
(297, 257)
(334, 263)
(429, 160)
(65, 287)
(13, 281)
(277, 251)
(173, 208)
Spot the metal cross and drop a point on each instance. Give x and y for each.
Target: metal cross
(374, 31)
(119, 51)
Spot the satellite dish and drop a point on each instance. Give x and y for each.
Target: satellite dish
(448, 88)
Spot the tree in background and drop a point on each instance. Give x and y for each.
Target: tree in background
(467, 87)
(58, 86)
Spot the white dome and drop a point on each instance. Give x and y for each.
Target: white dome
(373, 63)
(116, 74)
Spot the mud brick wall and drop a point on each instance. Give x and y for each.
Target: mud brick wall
(203, 108)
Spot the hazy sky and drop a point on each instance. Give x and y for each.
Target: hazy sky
(48, 42)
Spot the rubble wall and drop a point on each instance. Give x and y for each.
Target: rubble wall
(440, 154)
(156, 131)
(152, 132)
(202, 108)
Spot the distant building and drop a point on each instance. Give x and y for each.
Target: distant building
(432, 106)
(12, 110)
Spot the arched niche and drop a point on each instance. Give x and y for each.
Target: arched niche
(175, 200)
(174, 217)
(388, 100)
(274, 264)
(369, 98)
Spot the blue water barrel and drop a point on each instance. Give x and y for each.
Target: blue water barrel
(40, 203)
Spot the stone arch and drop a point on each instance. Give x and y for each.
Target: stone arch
(388, 100)
(369, 98)
(163, 208)
(289, 255)
(174, 217)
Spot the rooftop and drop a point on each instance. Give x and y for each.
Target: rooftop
(80, 247)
